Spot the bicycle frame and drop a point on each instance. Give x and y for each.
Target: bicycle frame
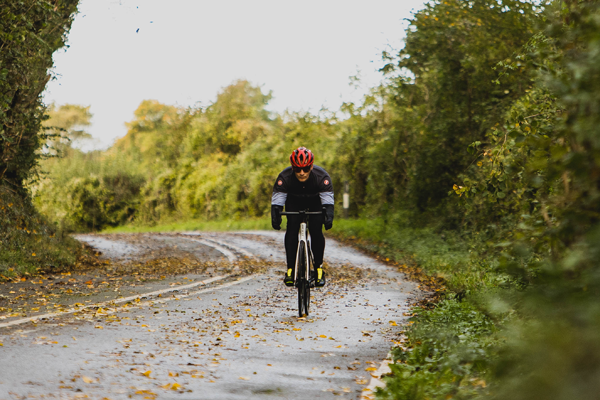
(302, 238)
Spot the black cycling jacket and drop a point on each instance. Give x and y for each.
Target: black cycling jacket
(317, 190)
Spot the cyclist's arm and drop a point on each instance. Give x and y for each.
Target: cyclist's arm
(277, 202)
(327, 200)
(279, 192)
(326, 191)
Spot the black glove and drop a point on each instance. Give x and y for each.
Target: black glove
(328, 216)
(276, 216)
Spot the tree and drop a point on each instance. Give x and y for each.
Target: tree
(30, 31)
(67, 124)
(451, 50)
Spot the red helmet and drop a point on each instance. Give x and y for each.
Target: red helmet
(302, 157)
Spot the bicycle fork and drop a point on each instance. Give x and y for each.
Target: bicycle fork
(302, 239)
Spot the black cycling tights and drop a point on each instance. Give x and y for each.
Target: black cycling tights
(317, 240)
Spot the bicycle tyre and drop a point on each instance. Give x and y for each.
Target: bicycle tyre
(301, 282)
(306, 297)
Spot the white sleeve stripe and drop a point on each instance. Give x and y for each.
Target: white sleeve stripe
(326, 198)
(279, 199)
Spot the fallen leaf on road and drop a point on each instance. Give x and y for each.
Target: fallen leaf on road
(147, 373)
(244, 378)
(87, 379)
(148, 394)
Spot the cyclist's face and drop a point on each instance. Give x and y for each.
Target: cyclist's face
(301, 174)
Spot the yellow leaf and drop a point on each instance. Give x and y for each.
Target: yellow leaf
(323, 336)
(393, 323)
(237, 334)
(99, 327)
(173, 374)
(244, 378)
(143, 391)
(175, 386)
(87, 379)
(147, 373)
(371, 369)
(33, 254)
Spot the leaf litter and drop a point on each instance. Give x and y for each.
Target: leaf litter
(97, 278)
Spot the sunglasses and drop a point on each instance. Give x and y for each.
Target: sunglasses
(303, 169)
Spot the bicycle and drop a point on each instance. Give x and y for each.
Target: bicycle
(304, 261)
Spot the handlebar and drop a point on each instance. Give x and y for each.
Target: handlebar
(301, 212)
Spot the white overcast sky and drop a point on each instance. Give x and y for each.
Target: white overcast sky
(182, 52)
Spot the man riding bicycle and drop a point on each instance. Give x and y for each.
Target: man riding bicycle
(303, 186)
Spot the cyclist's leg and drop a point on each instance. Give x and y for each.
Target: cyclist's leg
(317, 240)
(291, 241)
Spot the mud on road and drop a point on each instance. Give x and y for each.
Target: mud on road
(230, 332)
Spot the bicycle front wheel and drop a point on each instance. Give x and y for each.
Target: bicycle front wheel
(301, 283)
(301, 299)
(306, 297)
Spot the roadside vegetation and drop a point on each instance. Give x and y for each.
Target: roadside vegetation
(30, 31)
(476, 161)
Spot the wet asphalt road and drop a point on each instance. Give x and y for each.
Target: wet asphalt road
(233, 340)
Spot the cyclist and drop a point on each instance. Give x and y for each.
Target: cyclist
(303, 186)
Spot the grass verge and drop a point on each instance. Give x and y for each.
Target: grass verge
(448, 346)
(28, 243)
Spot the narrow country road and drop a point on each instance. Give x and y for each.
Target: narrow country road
(212, 337)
